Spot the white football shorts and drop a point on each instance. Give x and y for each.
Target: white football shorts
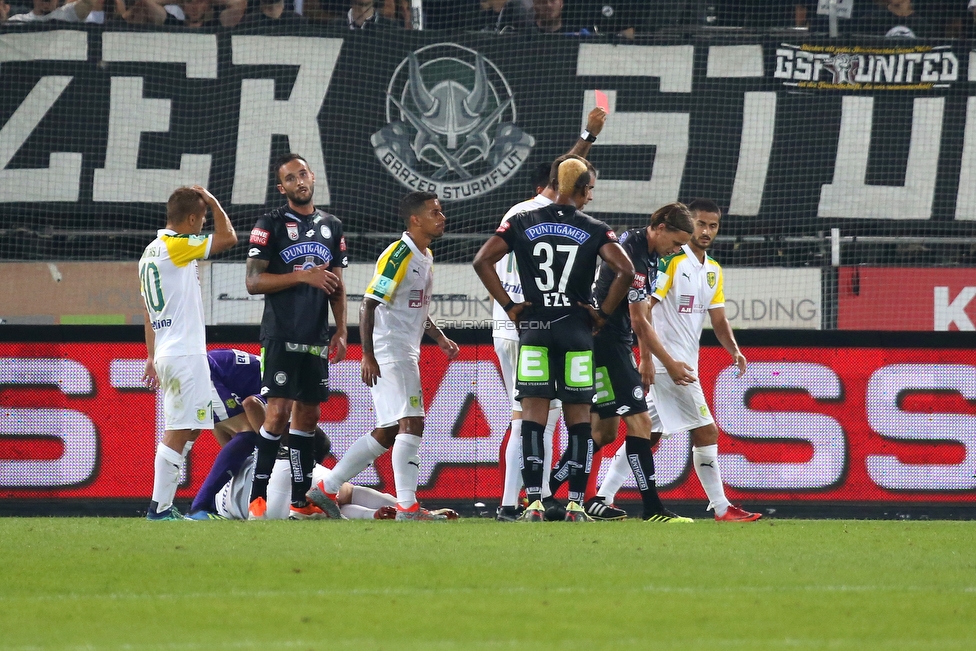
(397, 393)
(680, 408)
(187, 398)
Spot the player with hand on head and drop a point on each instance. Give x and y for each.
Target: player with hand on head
(556, 248)
(176, 338)
(621, 383)
(296, 257)
(690, 283)
(393, 319)
(505, 334)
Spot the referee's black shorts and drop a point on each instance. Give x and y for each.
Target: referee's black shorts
(295, 371)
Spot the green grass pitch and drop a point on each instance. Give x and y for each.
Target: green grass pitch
(128, 584)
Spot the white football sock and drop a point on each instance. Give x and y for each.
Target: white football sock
(705, 459)
(512, 483)
(617, 474)
(357, 458)
(167, 477)
(356, 512)
(406, 468)
(370, 499)
(547, 437)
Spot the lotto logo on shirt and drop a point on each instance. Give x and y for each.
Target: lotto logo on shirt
(259, 236)
(416, 298)
(686, 304)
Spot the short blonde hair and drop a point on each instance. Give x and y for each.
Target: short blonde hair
(569, 173)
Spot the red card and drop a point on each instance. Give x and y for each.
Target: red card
(602, 100)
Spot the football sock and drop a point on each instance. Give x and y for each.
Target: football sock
(167, 477)
(642, 464)
(547, 442)
(594, 472)
(267, 445)
(560, 474)
(618, 472)
(512, 482)
(357, 458)
(406, 468)
(706, 466)
(370, 499)
(228, 463)
(356, 512)
(580, 451)
(533, 458)
(302, 457)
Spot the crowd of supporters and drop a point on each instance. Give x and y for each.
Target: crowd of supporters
(617, 18)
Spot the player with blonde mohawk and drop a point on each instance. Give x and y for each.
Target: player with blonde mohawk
(556, 248)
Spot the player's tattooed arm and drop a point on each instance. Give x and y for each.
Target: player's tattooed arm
(337, 299)
(367, 318)
(259, 281)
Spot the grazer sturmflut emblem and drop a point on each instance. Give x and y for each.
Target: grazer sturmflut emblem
(450, 124)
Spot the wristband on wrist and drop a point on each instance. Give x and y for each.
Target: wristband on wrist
(587, 136)
(603, 315)
(508, 306)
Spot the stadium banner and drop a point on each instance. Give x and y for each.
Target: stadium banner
(101, 125)
(63, 293)
(886, 298)
(805, 424)
(754, 298)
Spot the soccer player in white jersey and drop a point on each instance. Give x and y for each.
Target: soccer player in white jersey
(393, 319)
(506, 337)
(175, 334)
(689, 284)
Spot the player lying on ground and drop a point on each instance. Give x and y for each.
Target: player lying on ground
(227, 488)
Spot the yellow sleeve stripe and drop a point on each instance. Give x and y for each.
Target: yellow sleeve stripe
(184, 249)
(390, 269)
(665, 277)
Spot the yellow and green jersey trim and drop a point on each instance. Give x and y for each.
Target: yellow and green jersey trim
(184, 249)
(390, 270)
(666, 268)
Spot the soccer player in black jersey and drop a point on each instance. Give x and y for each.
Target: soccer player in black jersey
(295, 259)
(621, 383)
(556, 248)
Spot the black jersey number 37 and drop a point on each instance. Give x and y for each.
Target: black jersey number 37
(548, 266)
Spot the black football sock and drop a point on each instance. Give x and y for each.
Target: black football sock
(267, 445)
(302, 458)
(580, 452)
(641, 461)
(560, 474)
(533, 458)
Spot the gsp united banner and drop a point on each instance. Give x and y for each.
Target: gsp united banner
(805, 424)
(99, 126)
